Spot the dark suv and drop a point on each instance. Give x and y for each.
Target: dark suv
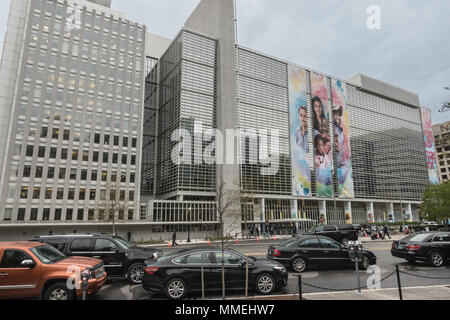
(342, 233)
(121, 258)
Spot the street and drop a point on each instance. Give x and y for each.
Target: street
(336, 280)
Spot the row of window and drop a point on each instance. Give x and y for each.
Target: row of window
(69, 215)
(83, 194)
(75, 155)
(73, 174)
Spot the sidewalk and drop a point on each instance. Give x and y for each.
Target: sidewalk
(411, 293)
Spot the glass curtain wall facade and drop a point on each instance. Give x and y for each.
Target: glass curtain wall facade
(77, 117)
(187, 101)
(386, 139)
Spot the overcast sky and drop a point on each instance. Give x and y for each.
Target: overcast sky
(411, 50)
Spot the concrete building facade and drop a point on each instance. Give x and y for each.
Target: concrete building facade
(442, 137)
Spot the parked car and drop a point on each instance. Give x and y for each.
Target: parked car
(121, 258)
(342, 233)
(432, 247)
(39, 271)
(310, 251)
(179, 274)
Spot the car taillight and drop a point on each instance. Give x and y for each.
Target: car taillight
(276, 253)
(151, 270)
(413, 247)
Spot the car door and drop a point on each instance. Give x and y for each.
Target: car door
(310, 250)
(441, 241)
(17, 281)
(333, 252)
(234, 270)
(191, 269)
(112, 256)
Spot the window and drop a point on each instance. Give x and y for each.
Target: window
(95, 156)
(55, 133)
(71, 195)
(106, 139)
(8, 214)
(60, 194)
(86, 155)
(229, 258)
(81, 245)
(46, 215)
(48, 193)
(64, 153)
(41, 152)
(69, 214)
(51, 173)
(125, 141)
(62, 173)
(116, 140)
(39, 171)
(36, 192)
(24, 193)
(26, 171)
(445, 237)
(75, 155)
(94, 174)
(29, 151)
(53, 153)
(97, 138)
(66, 135)
(13, 259)
(21, 214)
(328, 243)
(57, 218)
(309, 243)
(82, 194)
(92, 194)
(104, 245)
(44, 132)
(73, 174)
(80, 215)
(197, 259)
(34, 214)
(134, 142)
(105, 157)
(83, 175)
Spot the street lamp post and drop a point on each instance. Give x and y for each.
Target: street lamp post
(189, 228)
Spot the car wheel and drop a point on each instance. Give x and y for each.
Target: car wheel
(298, 265)
(265, 284)
(135, 273)
(345, 241)
(364, 264)
(436, 259)
(59, 291)
(176, 289)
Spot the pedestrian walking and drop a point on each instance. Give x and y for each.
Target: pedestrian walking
(174, 239)
(386, 231)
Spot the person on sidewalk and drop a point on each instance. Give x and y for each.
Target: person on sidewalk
(386, 232)
(174, 239)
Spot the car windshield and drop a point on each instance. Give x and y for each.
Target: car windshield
(48, 254)
(123, 243)
(421, 237)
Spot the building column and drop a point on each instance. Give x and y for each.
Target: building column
(262, 210)
(348, 212)
(390, 212)
(323, 211)
(408, 213)
(370, 212)
(150, 211)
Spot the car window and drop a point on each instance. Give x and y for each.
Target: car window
(329, 243)
(318, 229)
(13, 259)
(309, 243)
(442, 238)
(48, 254)
(329, 228)
(81, 245)
(104, 245)
(228, 258)
(196, 258)
(59, 244)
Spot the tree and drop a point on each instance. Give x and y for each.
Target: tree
(436, 202)
(115, 203)
(445, 105)
(228, 211)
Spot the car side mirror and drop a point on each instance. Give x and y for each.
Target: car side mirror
(28, 264)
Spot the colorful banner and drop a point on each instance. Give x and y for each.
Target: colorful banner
(430, 146)
(342, 140)
(323, 159)
(299, 132)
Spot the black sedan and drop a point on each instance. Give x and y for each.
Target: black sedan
(179, 274)
(431, 247)
(309, 251)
